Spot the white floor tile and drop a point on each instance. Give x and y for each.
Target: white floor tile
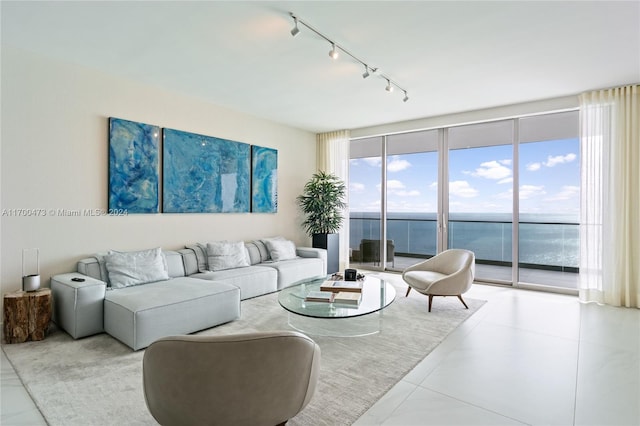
(425, 407)
(608, 386)
(523, 375)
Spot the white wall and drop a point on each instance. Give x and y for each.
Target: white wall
(54, 155)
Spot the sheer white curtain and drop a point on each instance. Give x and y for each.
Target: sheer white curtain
(610, 197)
(332, 153)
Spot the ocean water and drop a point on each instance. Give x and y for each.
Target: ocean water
(545, 239)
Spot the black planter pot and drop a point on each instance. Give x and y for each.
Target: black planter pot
(330, 242)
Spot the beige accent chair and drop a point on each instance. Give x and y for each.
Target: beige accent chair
(449, 273)
(257, 379)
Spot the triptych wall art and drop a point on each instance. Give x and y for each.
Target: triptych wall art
(200, 174)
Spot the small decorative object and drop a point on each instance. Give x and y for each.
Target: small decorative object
(204, 174)
(264, 180)
(350, 274)
(30, 269)
(323, 202)
(134, 166)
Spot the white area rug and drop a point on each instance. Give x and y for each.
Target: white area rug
(98, 381)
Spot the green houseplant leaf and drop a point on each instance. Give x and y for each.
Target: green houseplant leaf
(322, 203)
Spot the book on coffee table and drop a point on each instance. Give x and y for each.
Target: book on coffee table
(348, 298)
(319, 296)
(337, 286)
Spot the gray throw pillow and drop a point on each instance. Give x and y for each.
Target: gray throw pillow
(137, 267)
(201, 256)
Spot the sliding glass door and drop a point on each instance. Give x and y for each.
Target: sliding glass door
(480, 196)
(415, 194)
(411, 198)
(549, 203)
(365, 204)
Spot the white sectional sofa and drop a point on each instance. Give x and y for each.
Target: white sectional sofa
(191, 299)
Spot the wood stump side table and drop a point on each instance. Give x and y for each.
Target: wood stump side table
(26, 315)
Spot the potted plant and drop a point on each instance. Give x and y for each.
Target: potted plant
(322, 203)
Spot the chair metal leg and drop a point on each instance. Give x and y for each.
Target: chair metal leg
(430, 300)
(408, 290)
(460, 297)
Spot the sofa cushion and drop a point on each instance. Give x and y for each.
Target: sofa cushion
(264, 251)
(293, 271)
(201, 255)
(226, 255)
(281, 249)
(137, 267)
(252, 281)
(139, 315)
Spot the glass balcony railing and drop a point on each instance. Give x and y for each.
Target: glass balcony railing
(551, 245)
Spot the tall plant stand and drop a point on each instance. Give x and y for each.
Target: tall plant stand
(331, 243)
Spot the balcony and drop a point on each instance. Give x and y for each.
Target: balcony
(549, 249)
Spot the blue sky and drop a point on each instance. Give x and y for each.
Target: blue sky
(480, 180)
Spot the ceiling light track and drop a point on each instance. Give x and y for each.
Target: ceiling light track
(333, 53)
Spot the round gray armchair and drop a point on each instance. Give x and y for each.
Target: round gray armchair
(260, 379)
(449, 273)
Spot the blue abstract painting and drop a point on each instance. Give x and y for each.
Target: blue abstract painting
(134, 166)
(204, 174)
(264, 180)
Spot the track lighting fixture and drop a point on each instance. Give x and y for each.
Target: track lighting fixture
(333, 53)
(295, 30)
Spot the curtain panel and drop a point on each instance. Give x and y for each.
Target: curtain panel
(610, 197)
(332, 154)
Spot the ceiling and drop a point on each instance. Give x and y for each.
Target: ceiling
(450, 56)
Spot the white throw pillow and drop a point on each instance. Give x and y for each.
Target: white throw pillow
(281, 249)
(137, 267)
(226, 255)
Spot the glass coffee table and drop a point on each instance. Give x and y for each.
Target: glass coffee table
(336, 319)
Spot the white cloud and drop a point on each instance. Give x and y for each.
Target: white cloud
(356, 187)
(506, 162)
(567, 192)
(528, 191)
(396, 164)
(506, 180)
(373, 161)
(559, 159)
(492, 170)
(354, 162)
(533, 167)
(394, 184)
(433, 185)
(402, 193)
(461, 188)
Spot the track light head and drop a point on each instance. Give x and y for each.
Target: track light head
(389, 87)
(406, 97)
(295, 30)
(333, 53)
(366, 72)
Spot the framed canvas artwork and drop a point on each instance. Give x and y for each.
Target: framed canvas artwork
(264, 180)
(204, 174)
(133, 166)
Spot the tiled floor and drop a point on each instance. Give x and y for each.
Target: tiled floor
(524, 358)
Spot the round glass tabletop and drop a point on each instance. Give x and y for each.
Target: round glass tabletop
(376, 295)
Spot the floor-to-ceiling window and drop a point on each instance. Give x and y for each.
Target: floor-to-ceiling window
(365, 204)
(480, 170)
(464, 187)
(549, 202)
